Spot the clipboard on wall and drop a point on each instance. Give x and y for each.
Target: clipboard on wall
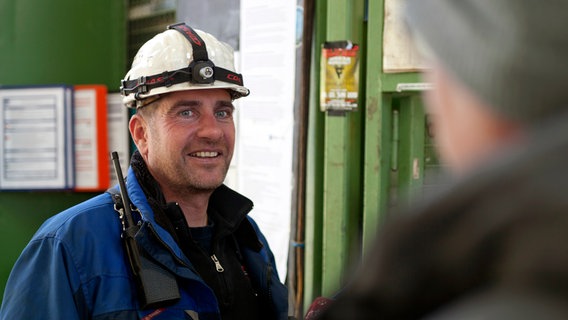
(91, 138)
(36, 147)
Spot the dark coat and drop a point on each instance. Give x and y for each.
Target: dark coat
(494, 245)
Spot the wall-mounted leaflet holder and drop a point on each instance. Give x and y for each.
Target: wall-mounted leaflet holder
(36, 146)
(339, 78)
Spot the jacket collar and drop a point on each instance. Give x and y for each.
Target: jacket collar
(227, 208)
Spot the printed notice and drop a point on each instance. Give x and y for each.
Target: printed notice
(91, 142)
(266, 119)
(399, 51)
(118, 137)
(339, 83)
(36, 124)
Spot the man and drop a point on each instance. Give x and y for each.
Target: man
(192, 232)
(495, 245)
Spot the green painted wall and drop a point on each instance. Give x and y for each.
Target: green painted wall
(70, 41)
(51, 42)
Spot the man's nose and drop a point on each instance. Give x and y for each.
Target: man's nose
(209, 127)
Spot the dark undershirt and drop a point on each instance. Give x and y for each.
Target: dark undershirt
(203, 236)
(240, 301)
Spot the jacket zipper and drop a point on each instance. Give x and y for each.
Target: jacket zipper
(224, 298)
(218, 265)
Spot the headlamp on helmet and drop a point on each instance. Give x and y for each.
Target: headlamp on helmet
(165, 51)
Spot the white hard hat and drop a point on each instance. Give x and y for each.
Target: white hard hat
(177, 59)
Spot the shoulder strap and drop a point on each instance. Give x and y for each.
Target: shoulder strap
(116, 198)
(156, 286)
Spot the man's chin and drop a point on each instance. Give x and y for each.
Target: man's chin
(205, 186)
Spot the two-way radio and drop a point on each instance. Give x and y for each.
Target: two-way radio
(156, 286)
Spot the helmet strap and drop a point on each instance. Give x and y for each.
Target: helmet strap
(198, 45)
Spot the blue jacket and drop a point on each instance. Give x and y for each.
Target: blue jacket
(75, 268)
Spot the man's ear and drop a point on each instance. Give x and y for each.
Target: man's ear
(139, 131)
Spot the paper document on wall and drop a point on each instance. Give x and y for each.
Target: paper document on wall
(118, 137)
(399, 51)
(266, 119)
(91, 141)
(36, 147)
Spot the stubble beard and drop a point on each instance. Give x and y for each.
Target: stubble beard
(186, 182)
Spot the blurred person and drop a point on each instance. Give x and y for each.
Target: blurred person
(198, 253)
(495, 244)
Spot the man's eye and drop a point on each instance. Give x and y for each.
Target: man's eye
(186, 113)
(223, 114)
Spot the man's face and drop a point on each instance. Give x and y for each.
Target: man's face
(188, 139)
(466, 129)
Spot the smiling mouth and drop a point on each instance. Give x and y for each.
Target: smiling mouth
(204, 154)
